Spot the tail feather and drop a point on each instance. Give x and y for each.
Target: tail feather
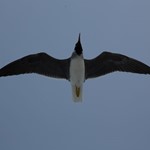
(77, 93)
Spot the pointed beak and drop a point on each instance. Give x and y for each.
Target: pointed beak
(78, 47)
(79, 38)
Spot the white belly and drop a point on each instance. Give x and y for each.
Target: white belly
(77, 71)
(77, 77)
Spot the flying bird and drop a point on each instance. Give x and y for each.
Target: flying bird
(75, 69)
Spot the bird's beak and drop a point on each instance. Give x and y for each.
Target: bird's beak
(79, 38)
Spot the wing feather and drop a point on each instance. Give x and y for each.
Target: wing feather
(108, 62)
(40, 63)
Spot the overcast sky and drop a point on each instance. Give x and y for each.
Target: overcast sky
(37, 112)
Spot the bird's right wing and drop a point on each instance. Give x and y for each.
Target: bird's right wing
(40, 63)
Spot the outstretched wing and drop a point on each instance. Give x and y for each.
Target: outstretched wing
(108, 62)
(40, 63)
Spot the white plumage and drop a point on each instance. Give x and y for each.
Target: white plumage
(77, 77)
(75, 69)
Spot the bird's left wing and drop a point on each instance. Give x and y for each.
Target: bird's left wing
(108, 62)
(40, 63)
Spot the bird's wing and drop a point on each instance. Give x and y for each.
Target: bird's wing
(108, 62)
(40, 63)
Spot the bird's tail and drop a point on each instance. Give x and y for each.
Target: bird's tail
(77, 93)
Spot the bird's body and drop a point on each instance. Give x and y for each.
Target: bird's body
(75, 69)
(77, 76)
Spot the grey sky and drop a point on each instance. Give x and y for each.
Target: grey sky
(37, 112)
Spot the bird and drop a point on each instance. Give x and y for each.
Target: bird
(75, 69)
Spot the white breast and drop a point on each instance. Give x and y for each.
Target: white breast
(77, 77)
(77, 71)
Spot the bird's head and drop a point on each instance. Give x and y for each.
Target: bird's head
(78, 47)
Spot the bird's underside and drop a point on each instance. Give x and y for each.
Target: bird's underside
(47, 65)
(44, 64)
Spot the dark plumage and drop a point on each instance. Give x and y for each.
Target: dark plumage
(76, 69)
(40, 63)
(44, 64)
(108, 62)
